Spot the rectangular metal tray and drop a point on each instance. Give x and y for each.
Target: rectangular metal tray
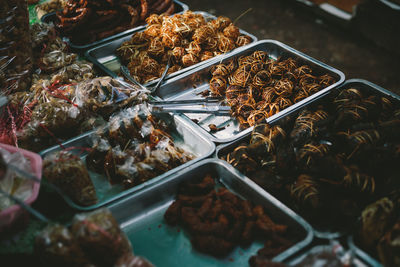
(105, 58)
(141, 218)
(362, 254)
(357, 260)
(224, 149)
(51, 17)
(184, 137)
(190, 84)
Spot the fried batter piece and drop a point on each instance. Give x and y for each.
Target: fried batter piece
(218, 220)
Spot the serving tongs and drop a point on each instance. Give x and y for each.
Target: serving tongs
(126, 73)
(210, 105)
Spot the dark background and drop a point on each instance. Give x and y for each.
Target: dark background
(337, 45)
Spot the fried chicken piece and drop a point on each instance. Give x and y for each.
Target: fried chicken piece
(173, 213)
(212, 245)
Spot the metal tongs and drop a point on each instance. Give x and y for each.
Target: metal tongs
(125, 71)
(211, 105)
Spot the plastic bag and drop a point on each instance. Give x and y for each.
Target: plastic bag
(134, 147)
(104, 95)
(99, 235)
(11, 182)
(94, 239)
(15, 47)
(69, 173)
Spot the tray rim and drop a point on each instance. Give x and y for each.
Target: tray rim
(278, 204)
(131, 191)
(346, 84)
(85, 47)
(169, 76)
(290, 109)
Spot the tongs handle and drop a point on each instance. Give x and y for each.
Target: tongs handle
(125, 71)
(208, 105)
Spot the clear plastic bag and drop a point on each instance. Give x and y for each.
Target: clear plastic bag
(11, 182)
(69, 173)
(134, 147)
(104, 95)
(94, 239)
(15, 48)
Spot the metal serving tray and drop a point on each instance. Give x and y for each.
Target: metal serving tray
(104, 56)
(190, 85)
(366, 85)
(224, 149)
(361, 253)
(357, 260)
(51, 17)
(184, 137)
(141, 218)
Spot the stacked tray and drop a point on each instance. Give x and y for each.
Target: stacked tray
(191, 84)
(141, 218)
(317, 249)
(363, 85)
(104, 56)
(51, 17)
(324, 233)
(184, 137)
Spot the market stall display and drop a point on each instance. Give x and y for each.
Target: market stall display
(187, 38)
(110, 56)
(379, 229)
(257, 86)
(88, 21)
(49, 7)
(218, 221)
(148, 225)
(15, 50)
(332, 158)
(131, 151)
(15, 183)
(330, 152)
(272, 93)
(93, 238)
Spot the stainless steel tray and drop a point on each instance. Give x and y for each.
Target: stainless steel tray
(361, 253)
(184, 137)
(190, 84)
(51, 17)
(104, 56)
(366, 85)
(357, 260)
(224, 149)
(141, 218)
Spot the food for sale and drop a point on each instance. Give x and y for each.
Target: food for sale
(329, 161)
(15, 49)
(32, 115)
(86, 21)
(389, 246)
(134, 147)
(12, 182)
(94, 239)
(104, 95)
(49, 6)
(218, 220)
(69, 173)
(257, 87)
(379, 231)
(185, 38)
(51, 112)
